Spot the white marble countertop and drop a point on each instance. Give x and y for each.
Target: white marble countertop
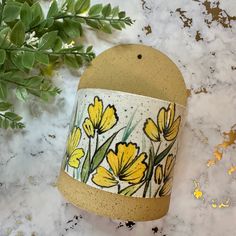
(201, 41)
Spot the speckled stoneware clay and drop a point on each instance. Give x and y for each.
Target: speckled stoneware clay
(123, 139)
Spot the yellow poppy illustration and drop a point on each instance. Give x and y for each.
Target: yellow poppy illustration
(99, 119)
(165, 176)
(126, 164)
(166, 125)
(73, 152)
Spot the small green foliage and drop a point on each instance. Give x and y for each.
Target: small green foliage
(32, 44)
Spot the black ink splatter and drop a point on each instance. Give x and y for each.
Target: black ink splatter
(130, 224)
(155, 230)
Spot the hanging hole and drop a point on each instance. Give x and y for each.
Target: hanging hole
(139, 56)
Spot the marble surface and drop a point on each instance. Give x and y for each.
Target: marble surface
(199, 36)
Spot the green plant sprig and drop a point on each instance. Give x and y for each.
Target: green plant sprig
(32, 45)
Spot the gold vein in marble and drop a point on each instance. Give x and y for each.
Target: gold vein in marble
(229, 139)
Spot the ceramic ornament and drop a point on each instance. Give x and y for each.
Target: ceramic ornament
(124, 134)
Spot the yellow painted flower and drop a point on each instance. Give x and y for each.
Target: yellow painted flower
(166, 188)
(166, 125)
(165, 176)
(126, 164)
(99, 119)
(74, 153)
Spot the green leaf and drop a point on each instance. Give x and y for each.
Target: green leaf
(2, 56)
(22, 93)
(93, 23)
(106, 11)
(42, 58)
(53, 10)
(101, 152)
(16, 58)
(129, 128)
(89, 48)
(106, 28)
(4, 106)
(72, 28)
(121, 14)
(26, 14)
(95, 10)
(17, 35)
(58, 44)
(28, 59)
(116, 25)
(71, 61)
(12, 116)
(130, 190)
(86, 166)
(5, 123)
(163, 154)
(82, 6)
(47, 40)
(11, 11)
(3, 90)
(37, 14)
(115, 11)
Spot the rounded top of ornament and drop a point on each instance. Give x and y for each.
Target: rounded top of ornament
(136, 69)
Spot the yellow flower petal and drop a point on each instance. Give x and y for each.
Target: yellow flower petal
(151, 130)
(75, 156)
(104, 178)
(95, 112)
(109, 119)
(166, 188)
(170, 115)
(173, 130)
(134, 172)
(158, 174)
(122, 157)
(161, 119)
(73, 140)
(169, 166)
(88, 127)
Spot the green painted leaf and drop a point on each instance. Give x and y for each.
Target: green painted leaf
(2, 56)
(95, 10)
(11, 11)
(12, 116)
(28, 59)
(47, 40)
(3, 90)
(42, 58)
(130, 190)
(106, 11)
(22, 93)
(86, 166)
(53, 10)
(101, 152)
(4, 106)
(26, 14)
(163, 154)
(17, 35)
(82, 6)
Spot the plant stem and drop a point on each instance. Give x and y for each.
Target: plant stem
(157, 191)
(96, 147)
(45, 52)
